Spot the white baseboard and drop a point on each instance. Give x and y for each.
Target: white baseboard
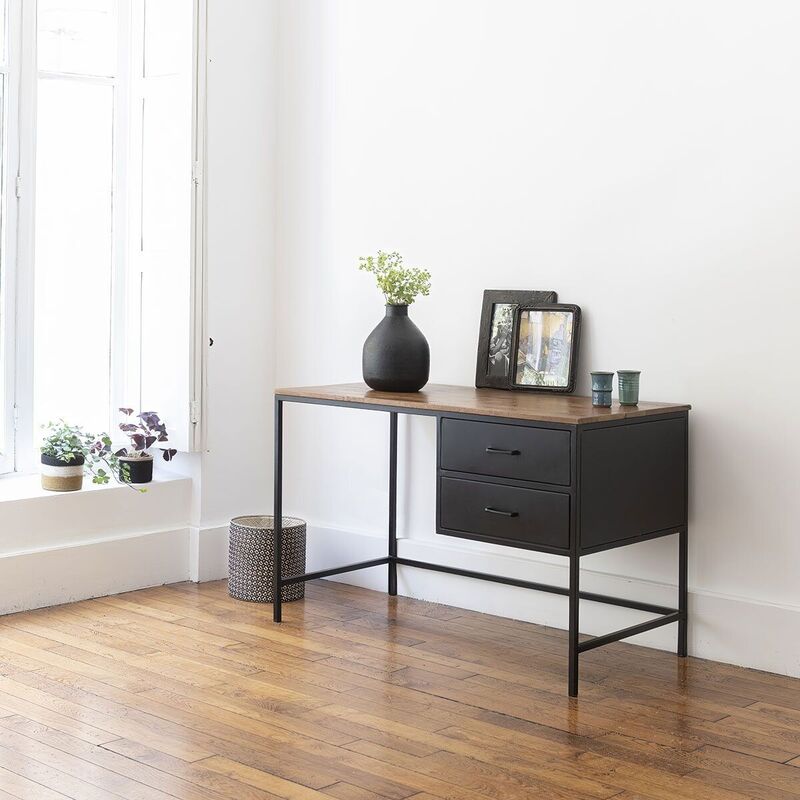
(208, 559)
(734, 630)
(63, 574)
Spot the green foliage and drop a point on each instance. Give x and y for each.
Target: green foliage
(63, 441)
(400, 285)
(66, 442)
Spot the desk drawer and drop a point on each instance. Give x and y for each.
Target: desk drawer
(503, 514)
(506, 451)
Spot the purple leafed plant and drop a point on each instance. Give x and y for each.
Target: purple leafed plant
(144, 430)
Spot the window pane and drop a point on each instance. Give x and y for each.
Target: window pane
(73, 253)
(78, 36)
(167, 36)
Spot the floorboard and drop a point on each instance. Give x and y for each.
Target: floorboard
(181, 692)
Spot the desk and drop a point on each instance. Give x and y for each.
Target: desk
(542, 472)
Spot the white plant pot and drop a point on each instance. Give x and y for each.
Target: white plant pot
(62, 476)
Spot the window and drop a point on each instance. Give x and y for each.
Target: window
(9, 80)
(97, 274)
(79, 167)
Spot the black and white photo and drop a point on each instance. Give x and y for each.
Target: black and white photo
(493, 369)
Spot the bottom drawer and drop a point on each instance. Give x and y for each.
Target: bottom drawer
(503, 514)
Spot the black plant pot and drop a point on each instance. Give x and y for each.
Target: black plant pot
(396, 355)
(141, 469)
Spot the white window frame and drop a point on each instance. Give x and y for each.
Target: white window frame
(19, 216)
(198, 300)
(7, 243)
(120, 83)
(18, 288)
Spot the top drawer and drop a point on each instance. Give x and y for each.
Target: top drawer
(506, 451)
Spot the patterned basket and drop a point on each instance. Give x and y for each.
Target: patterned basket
(250, 554)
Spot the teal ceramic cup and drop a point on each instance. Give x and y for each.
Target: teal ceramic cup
(602, 384)
(628, 384)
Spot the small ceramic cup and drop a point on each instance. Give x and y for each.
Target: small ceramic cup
(602, 384)
(628, 383)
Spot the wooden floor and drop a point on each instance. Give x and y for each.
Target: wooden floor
(180, 692)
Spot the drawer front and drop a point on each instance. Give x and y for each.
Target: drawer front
(506, 451)
(504, 514)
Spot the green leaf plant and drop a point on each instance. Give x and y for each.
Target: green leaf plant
(66, 442)
(400, 285)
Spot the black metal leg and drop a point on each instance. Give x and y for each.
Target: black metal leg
(574, 619)
(392, 502)
(278, 513)
(683, 593)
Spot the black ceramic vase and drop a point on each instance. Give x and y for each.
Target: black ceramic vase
(396, 355)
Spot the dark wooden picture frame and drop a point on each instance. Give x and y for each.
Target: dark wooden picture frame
(494, 354)
(556, 344)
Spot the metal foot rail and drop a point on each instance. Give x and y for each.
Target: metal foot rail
(326, 573)
(624, 633)
(540, 587)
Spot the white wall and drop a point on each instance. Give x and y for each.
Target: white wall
(235, 476)
(641, 159)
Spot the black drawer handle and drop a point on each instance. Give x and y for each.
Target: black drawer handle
(490, 510)
(502, 452)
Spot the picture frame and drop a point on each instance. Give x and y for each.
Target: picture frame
(546, 342)
(493, 367)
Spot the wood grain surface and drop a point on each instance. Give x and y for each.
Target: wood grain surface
(530, 406)
(181, 692)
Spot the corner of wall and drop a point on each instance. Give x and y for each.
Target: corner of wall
(208, 553)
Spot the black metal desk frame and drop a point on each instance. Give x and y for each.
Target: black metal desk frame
(664, 615)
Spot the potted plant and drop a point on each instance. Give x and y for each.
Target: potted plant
(68, 451)
(396, 356)
(144, 430)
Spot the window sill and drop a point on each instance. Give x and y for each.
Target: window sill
(15, 487)
(32, 519)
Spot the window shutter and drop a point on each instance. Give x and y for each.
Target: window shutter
(163, 309)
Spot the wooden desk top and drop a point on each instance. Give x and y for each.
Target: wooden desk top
(540, 407)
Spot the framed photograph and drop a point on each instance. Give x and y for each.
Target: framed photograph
(493, 370)
(545, 347)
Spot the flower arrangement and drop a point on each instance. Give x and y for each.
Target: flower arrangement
(400, 285)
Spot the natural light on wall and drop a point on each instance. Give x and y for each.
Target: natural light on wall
(113, 208)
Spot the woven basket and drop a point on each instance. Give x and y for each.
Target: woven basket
(250, 554)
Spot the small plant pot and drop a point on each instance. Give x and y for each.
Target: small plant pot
(62, 476)
(141, 469)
